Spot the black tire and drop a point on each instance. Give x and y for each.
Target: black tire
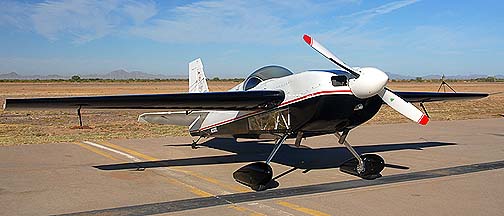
(258, 187)
(373, 165)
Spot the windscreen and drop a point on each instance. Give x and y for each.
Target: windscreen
(265, 73)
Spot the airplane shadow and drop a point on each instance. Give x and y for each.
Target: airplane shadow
(252, 151)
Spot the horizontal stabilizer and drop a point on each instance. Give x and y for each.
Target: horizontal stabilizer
(172, 118)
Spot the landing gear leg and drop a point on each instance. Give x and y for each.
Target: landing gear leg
(257, 175)
(342, 140)
(367, 166)
(278, 143)
(299, 136)
(195, 142)
(80, 116)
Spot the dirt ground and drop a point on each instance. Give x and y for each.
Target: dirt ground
(30, 127)
(489, 107)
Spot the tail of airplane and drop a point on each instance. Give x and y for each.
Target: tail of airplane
(197, 78)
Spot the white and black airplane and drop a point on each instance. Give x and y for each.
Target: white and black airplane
(272, 102)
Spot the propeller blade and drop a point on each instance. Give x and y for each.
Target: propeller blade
(326, 53)
(403, 107)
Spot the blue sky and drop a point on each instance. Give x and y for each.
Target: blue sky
(233, 38)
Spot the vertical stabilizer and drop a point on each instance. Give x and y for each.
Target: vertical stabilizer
(197, 78)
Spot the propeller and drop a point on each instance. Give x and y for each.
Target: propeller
(369, 82)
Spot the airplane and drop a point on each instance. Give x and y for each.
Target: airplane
(272, 103)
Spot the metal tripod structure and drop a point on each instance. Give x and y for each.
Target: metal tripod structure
(444, 84)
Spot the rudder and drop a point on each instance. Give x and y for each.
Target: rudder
(197, 78)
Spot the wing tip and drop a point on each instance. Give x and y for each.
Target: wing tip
(307, 39)
(424, 120)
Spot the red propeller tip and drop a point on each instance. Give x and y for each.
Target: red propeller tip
(307, 39)
(424, 120)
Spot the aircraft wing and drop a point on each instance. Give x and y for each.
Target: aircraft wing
(232, 100)
(437, 96)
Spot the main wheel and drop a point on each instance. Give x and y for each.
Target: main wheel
(255, 175)
(373, 165)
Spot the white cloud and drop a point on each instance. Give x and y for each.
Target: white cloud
(345, 38)
(446, 40)
(14, 14)
(363, 17)
(215, 21)
(77, 20)
(348, 35)
(140, 11)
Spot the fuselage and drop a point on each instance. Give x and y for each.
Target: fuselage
(316, 102)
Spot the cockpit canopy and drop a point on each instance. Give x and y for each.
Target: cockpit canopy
(265, 73)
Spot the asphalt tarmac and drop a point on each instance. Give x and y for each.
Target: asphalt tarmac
(445, 168)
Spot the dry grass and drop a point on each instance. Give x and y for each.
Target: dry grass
(31, 127)
(18, 127)
(489, 107)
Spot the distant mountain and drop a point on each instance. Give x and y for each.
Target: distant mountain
(117, 75)
(124, 75)
(11, 75)
(14, 75)
(432, 76)
(394, 76)
(428, 77)
(457, 77)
